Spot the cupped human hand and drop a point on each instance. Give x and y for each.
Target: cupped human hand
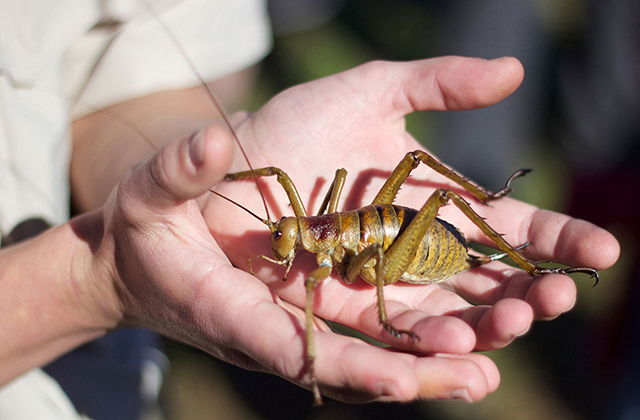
(169, 274)
(356, 120)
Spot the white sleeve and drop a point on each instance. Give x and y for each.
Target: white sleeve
(35, 395)
(35, 146)
(221, 37)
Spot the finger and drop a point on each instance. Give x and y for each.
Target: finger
(346, 368)
(549, 296)
(455, 83)
(443, 83)
(485, 363)
(498, 325)
(185, 169)
(419, 309)
(553, 236)
(357, 372)
(435, 334)
(572, 241)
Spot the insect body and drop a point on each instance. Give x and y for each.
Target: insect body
(346, 235)
(382, 242)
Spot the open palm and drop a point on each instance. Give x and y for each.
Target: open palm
(355, 120)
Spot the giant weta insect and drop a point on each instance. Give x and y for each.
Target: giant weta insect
(383, 243)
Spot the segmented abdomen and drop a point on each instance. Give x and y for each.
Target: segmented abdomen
(441, 254)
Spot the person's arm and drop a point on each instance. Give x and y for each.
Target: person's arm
(52, 299)
(108, 142)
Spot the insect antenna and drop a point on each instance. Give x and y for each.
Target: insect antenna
(184, 55)
(265, 221)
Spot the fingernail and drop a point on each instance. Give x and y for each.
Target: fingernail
(526, 330)
(196, 149)
(461, 394)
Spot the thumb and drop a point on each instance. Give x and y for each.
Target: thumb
(458, 83)
(439, 84)
(186, 168)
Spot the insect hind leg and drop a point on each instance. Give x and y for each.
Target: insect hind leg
(357, 264)
(477, 261)
(412, 160)
(514, 253)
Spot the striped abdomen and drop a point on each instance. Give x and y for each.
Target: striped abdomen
(441, 255)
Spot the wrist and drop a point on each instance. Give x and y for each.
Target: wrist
(55, 296)
(90, 276)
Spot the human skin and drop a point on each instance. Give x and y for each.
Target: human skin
(156, 250)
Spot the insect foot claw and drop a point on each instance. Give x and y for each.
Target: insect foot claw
(398, 333)
(317, 398)
(507, 188)
(592, 272)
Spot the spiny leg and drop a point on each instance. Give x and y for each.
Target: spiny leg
(284, 180)
(399, 255)
(477, 261)
(390, 189)
(355, 265)
(530, 267)
(592, 272)
(315, 277)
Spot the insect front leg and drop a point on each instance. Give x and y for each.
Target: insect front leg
(311, 282)
(284, 180)
(288, 263)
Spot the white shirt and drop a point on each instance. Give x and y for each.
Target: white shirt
(55, 67)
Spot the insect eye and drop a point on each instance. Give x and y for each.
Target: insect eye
(277, 234)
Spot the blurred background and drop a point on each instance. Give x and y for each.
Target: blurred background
(575, 120)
